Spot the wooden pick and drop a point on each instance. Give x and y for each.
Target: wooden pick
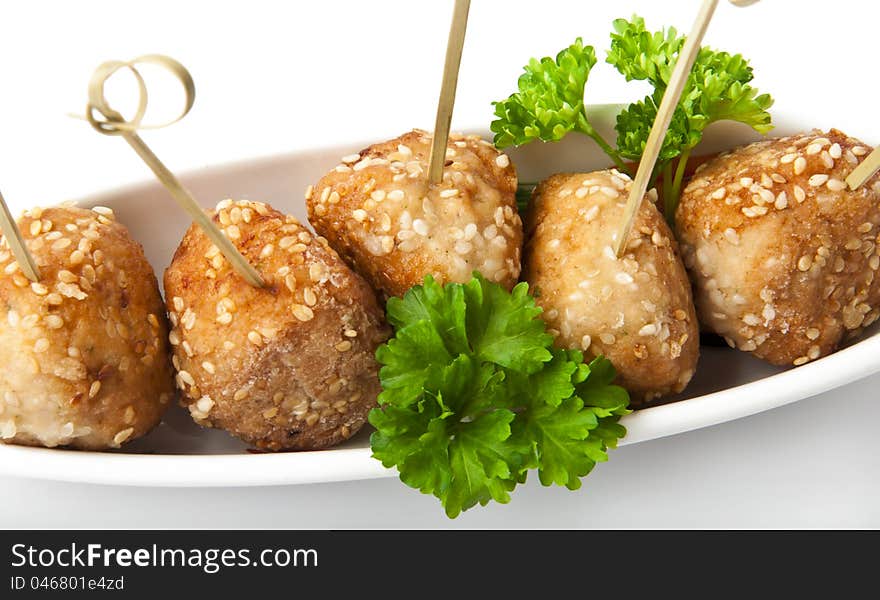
(447, 90)
(864, 171)
(16, 243)
(671, 96)
(111, 122)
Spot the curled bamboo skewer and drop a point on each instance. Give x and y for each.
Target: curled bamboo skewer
(16, 243)
(108, 121)
(447, 91)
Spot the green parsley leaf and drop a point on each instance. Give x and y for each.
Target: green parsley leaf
(474, 396)
(550, 100)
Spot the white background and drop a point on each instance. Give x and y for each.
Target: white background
(279, 76)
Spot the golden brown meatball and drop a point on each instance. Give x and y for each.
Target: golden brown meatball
(379, 212)
(636, 310)
(782, 254)
(83, 353)
(289, 366)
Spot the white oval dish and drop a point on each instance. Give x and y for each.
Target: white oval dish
(728, 384)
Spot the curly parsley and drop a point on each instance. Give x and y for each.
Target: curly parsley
(474, 395)
(549, 103)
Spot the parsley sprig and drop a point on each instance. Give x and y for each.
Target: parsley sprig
(549, 103)
(474, 395)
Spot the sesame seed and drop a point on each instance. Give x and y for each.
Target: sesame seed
(54, 322)
(766, 195)
(343, 346)
(351, 158)
(769, 313)
(302, 313)
(649, 329)
(813, 149)
(799, 193)
(581, 192)
(731, 236)
(205, 404)
(813, 333)
(123, 435)
(781, 201)
(859, 150)
(805, 263)
(462, 247)
(209, 367)
(787, 158)
(719, 193)
(502, 161)
(334, 197)
(813, 353)
(350, 333)
(178, 304)
(67, 277)
(240, 394)
(309, 297)
(41, 345)
(396, 195)
(751, 319)
(746, 181)
(420, 227)
(607, 338)
(61, 244)
(224, 319)
(800, 361)
(255, 338)
(449, 193)
(35, 228)
(186, 377)
(800, 165)
(623, 278)
(835, 185)
(94, 389)
(817, 179)
(39, 289)
(586, 342)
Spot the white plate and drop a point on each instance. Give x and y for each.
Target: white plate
(728, 384)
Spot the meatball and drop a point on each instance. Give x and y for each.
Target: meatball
(636, 310)
(287, 367)
(379, 212)
(83, 352)
(783, 255)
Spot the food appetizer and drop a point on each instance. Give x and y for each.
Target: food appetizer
(636, 310)
(379, 211)
(289, 366)
(85, 350)
(783, 255)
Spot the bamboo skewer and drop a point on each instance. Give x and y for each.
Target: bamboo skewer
(16, 243)
(668, 104)
(864, 170)
(114, 123)
(454, 47)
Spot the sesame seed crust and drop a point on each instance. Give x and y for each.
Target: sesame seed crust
(636, 310)
(287, 367)
(385, 220)
(84, 351)
(790, 281)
